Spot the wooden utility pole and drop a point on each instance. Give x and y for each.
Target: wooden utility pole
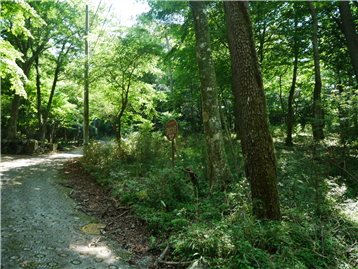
(86, 110)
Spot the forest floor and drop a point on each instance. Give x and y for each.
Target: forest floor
(314, 188)
(121, 226)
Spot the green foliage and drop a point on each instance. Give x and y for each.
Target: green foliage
(13, 16)
(342, 113)
(123, 86)
(9, 68)
(319, 225)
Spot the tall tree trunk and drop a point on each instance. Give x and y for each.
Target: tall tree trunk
(119, 132)
(290, 114)
(114, 126)
(343, 121)
(12, 128)
(170, 74)
(317, 124)
(45, 119)
(218, 168)
(281, 101)
(349, 31)
(261, 44)
(256, 141)
(14, 114)
(59, 62)
(38, 87)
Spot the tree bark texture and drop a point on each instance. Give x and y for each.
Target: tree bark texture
(317, 124)
(349, 31)
(256, 140)
(218, 168)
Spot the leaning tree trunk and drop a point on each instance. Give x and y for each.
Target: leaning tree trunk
(290, 116)
(170, 74)
(349, 31)
(317, 124)
(256, 141)
(59, 63)
(218, 168)
(45, 119)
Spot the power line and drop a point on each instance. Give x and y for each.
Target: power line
(102, 27)
(95, 14)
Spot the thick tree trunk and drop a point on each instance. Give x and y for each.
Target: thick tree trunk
(317, 124)
(117, 132)
(12, 128)
(14, 114)
(349, 31)
(218, 168)
(256, 140)
(114, 127)
(290, 116)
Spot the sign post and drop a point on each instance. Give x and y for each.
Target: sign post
(171, 130)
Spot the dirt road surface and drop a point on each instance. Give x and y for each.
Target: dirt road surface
(40, 225)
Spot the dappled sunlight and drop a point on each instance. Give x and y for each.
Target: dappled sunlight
(35, 165)
(337, 197)
(72, 154)
(99, 252)
(350, 210)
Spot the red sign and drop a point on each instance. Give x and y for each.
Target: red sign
(171, 129)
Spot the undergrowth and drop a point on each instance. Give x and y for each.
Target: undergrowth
(318, 195)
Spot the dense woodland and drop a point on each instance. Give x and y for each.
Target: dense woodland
(265, 95)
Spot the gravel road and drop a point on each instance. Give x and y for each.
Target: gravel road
(40, 225)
